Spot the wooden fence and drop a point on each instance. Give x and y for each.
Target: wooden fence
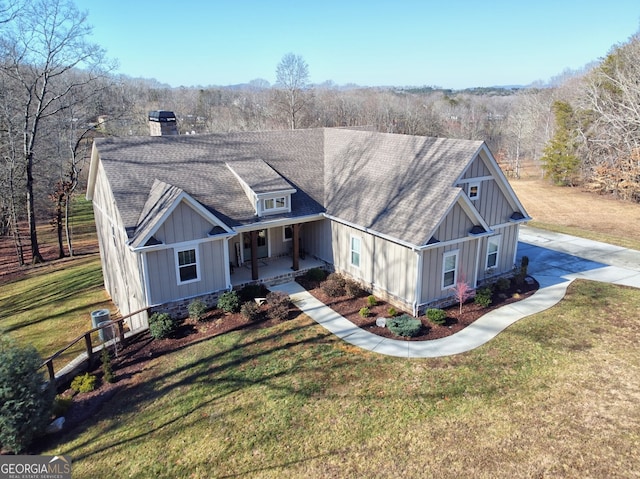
(118, 323)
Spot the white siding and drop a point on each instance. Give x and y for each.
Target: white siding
(123, 278)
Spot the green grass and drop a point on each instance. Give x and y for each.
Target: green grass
(614, 239)
(294, 401)
(51, 305)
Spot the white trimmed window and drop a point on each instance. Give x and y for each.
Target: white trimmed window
(493, 249)
(474, 190)
(187, 266)
(275, 204)
(287, 233)
(449, 269)
(356, 248)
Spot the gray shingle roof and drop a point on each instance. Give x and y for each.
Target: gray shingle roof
(398, 185)
(259, 176)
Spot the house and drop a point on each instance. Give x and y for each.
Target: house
(181, 217)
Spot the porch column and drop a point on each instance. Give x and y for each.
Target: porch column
(296, 247)
(254, 255)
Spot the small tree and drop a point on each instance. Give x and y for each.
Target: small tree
(462, 292)
(25, 407)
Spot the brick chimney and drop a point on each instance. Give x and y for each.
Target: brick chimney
(162, 123)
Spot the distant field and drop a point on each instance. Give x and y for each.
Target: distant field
(573, 211)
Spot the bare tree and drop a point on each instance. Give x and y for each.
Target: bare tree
(292, 75)
(42, 45)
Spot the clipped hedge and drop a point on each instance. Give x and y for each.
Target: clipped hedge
(404, 325)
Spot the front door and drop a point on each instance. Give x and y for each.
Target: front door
(263, 246)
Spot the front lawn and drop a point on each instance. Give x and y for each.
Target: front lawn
(555, 395)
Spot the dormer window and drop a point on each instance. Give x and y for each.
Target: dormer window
(272, 204)
(268, 192)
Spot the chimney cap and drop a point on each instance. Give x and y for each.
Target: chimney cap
(161, 115)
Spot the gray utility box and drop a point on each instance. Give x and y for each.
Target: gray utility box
(102, 316)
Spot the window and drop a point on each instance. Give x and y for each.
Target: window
(356, 246)
(449, 269)
(493, 248)
(287, 233)
(474, 190)
(187, 264)
(278, 203)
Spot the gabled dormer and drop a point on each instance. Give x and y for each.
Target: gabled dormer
(268, 192)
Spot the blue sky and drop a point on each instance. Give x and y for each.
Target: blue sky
(451, 43)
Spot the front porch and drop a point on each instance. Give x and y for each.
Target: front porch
(273, 270)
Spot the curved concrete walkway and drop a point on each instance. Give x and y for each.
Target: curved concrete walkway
(555, 261)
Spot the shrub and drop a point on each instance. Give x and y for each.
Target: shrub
(162, 325)
(196, 309)
(25, 408)
(334, 285)
(372, 301)
(392, 311)
(107, 369)
(353, 289)
(404, 325)
(278, 306)
(503, 284)
(364, 312)
(229, 302)
(522, 271)
(84, 383)
(316, 274)
(483, 297)
(61, 405)
(252, 291)
(250, 310)
(436, 316)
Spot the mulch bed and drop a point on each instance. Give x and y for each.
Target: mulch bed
(456, 319)
(133, 358)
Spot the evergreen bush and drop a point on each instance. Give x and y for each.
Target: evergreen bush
(436, 316)
(250, 292)
(316, 274)
(107, 368)
(404, 325)
(392, 311)
(372, 301)
(229, 302)
(196, 309)
(364, 312)
(483, 297)
(25, 404)
(162, 325)
(84, 383)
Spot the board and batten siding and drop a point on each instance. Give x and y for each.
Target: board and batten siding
(455, 225)
(316, 240)
(506, 252)
(494, 207)
(432, 269)
(385, 266)
(123, 279)
(162, 274)
(184, 224)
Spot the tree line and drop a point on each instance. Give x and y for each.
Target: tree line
(58, 91)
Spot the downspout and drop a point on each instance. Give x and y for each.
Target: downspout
(478, 248)
(146, 287)
(227, 267)
(418, 291)
(515, 250)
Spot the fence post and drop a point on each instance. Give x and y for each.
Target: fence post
(121, 332)
(87, 341)
(52, 374)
